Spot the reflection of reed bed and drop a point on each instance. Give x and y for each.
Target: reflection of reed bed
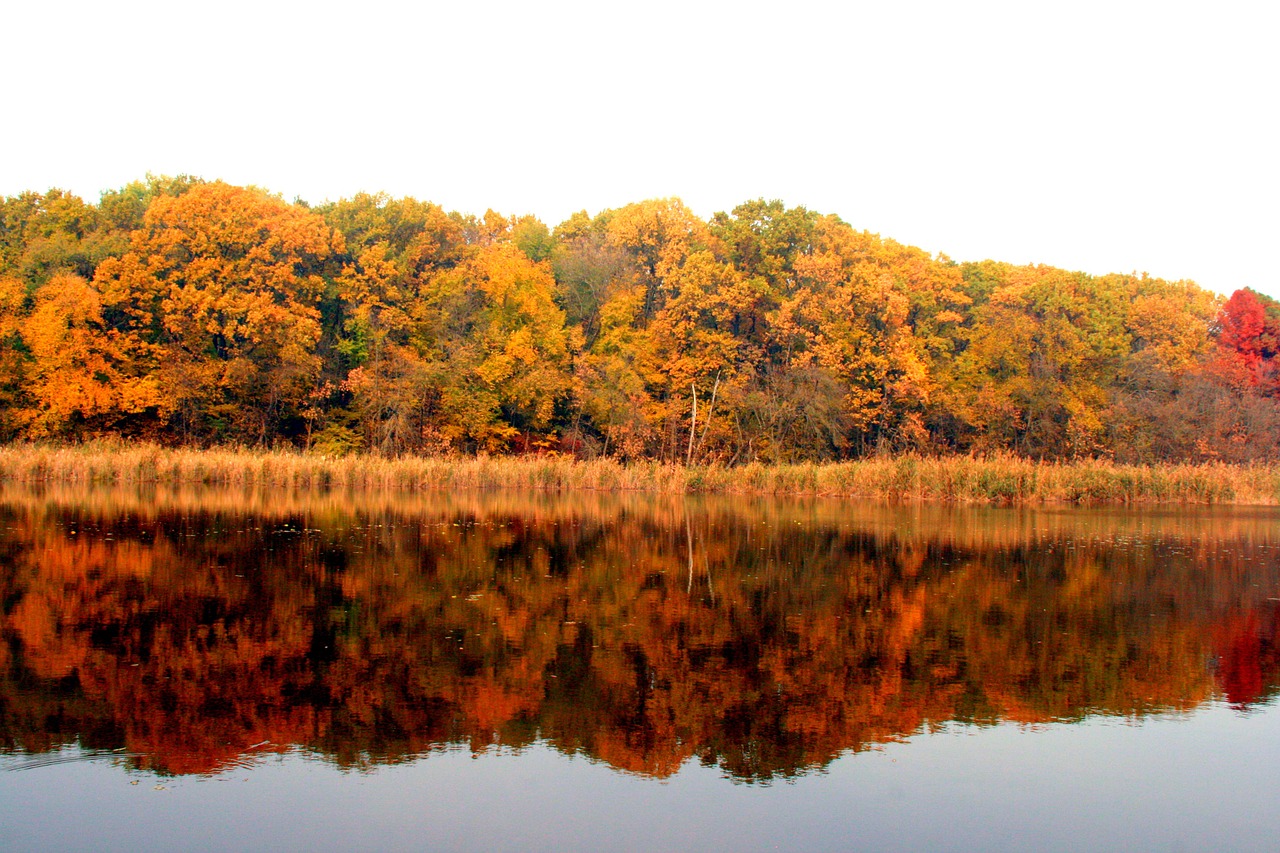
(909, 525)
(993, 480)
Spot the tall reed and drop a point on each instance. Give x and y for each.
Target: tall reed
(959, 479)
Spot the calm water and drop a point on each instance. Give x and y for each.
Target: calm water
(219, 670)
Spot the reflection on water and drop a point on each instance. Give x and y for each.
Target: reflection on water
(191, 632)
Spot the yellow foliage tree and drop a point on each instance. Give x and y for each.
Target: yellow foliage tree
(1044, 351)
(496, 344)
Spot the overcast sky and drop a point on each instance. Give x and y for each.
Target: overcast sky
(1104, 137)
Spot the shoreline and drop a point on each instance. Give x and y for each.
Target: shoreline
(995, 480)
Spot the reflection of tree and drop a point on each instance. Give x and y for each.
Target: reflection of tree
(766, 641)
(1248, 658)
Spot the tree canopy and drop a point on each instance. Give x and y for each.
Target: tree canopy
(188, 311)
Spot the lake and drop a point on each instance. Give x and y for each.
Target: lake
(213, 669)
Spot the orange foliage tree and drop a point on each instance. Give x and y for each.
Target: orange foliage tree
(217, 301)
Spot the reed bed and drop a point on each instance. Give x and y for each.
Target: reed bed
(1005, 480)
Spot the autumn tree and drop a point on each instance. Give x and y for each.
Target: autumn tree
(78, 374)
(446, 325)
(1045, 347)
(124, 210)
(619, 272)
(496, 342)
(1249, 341)
(1164, 405)
(870, 318)
(377, 390)
(217, 299)
(45, 234)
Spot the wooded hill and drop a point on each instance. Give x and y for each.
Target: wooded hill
(184, 311)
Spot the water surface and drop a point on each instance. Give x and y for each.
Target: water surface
(217, 669)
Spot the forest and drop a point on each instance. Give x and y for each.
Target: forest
(188, 312)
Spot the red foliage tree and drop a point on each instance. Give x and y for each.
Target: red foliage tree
(1249, 339)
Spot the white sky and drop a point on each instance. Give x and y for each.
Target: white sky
(1106, 137)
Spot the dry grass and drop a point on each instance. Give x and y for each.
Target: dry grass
(962, 479)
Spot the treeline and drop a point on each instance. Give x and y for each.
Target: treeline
(191, 312)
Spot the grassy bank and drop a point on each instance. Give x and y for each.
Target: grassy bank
(1000, 480)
